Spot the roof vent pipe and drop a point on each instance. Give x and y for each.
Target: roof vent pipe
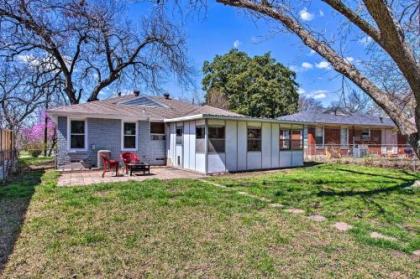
(166, 96)
(136, 93)
(119, 94)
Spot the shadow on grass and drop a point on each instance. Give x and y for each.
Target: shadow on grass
(414, 177)
(368, 192)
(15, 197)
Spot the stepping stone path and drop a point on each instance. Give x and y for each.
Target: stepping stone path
(275, 205)
(317, 218)
(295, 210)
(415, 185)
(342, 227)
(213, 183)
(377, 235)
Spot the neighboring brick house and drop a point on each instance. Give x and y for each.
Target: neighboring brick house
(164, 131)
(348, 132)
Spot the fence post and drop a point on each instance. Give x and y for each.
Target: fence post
(3, 173)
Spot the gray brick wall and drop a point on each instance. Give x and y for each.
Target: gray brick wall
(106, 134)
(62, 157)
(151, 151)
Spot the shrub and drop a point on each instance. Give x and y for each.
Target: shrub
(35, 152)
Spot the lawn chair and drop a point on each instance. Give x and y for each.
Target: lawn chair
(108, 164)
(129, 157)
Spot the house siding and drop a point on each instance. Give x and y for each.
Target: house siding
(105, 134)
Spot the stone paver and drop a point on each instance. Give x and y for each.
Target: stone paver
(275, 205)
(317, 218)
(377, 235)
(89, 177)
(213, 183)
(416, 253)
(342, 227)
(295, 210)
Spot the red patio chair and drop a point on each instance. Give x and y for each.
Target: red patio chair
(109, 164)
(129, 157)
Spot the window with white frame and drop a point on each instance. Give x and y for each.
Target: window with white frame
(319, 136)
(78, 134)
(157, 131)
(129, 133)
(344, 136)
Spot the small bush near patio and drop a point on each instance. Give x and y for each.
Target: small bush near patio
(188, 228)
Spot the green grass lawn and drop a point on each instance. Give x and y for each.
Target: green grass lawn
(187, 228)
(371, 199)
(27, 161)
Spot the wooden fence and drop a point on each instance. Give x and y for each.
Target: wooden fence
(7, 153)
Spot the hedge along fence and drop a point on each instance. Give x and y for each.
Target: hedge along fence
(7, 153)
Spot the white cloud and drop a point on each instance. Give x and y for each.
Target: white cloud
(236, 44)
(365, 40)
(305, 15)
(307, 65)
(312, 52)
(349, 59)
(319, 94)
(301, 91)
(323, 65)
(321, 12)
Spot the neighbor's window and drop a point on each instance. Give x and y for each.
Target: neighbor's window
(319, 136)
(365, 134)
(216, 139)
(296, 140)
(284, 139)
(179, 133)
(129, 135)
(77, 134)
(200, 141)
(254, 139)
(157, 131)
(344, 136)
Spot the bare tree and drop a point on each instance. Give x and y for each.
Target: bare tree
(90, 45)
(378, 20)
(19, 97)
(309, 104)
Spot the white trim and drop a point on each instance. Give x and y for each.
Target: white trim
(136, 135)
(69, 149)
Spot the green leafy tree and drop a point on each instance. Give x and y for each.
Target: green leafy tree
(256, 86)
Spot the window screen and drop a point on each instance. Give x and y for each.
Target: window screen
(254, 139)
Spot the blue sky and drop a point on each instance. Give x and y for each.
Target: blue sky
(221, 28)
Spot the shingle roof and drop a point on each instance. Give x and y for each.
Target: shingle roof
(139, 107)
(313, 117)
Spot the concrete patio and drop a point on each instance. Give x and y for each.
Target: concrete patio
(88, 177)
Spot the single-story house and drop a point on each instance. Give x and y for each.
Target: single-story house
(165, 131)
(348, 132)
